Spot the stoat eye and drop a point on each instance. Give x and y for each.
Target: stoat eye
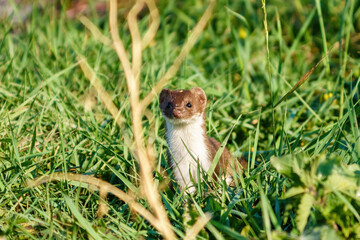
(188, 105)
(169, 104)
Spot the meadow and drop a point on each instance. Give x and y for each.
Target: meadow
(66, 107)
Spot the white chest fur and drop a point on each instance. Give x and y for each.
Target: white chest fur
(187, 149)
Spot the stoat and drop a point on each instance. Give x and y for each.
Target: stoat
(189, 146)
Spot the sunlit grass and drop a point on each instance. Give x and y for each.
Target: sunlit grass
(53, 120)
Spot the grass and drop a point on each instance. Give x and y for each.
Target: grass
(303, 176)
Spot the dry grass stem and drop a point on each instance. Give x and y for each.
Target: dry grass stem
(104, 96)
(95, 31)
(103, 207)
(305, 77)
(181, 57)
(154, 25)
(100, 184)
(148, 37)
(120, 51)
(147, 181)
(197, 227)
(136, 39)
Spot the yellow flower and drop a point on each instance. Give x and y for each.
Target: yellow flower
(326, 96)
(242, 33)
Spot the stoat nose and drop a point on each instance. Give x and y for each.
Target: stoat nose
(177, 113)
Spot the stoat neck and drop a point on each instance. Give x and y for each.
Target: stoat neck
(186, 142)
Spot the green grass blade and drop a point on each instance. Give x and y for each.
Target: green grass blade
(256, 140)
(264, 210)
(302, 79)
(82, 221)
(221, 149)
(323, 34)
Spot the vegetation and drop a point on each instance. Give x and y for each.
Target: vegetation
(303, 177)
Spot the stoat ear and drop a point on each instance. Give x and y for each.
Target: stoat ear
(200, 93)
(164, 93)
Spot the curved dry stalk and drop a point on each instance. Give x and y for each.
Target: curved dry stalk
(95, 31)
(199, 28)
(148, 36)
(104, 96)
(136, 40)
(147, 181)
(304, 78)
(196, 228)
(154, 25)
(120, 51)
(103, 207)
(103, 186)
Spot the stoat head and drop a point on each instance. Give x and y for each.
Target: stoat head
(180, 106)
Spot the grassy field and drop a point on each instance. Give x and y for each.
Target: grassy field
(303, 178)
